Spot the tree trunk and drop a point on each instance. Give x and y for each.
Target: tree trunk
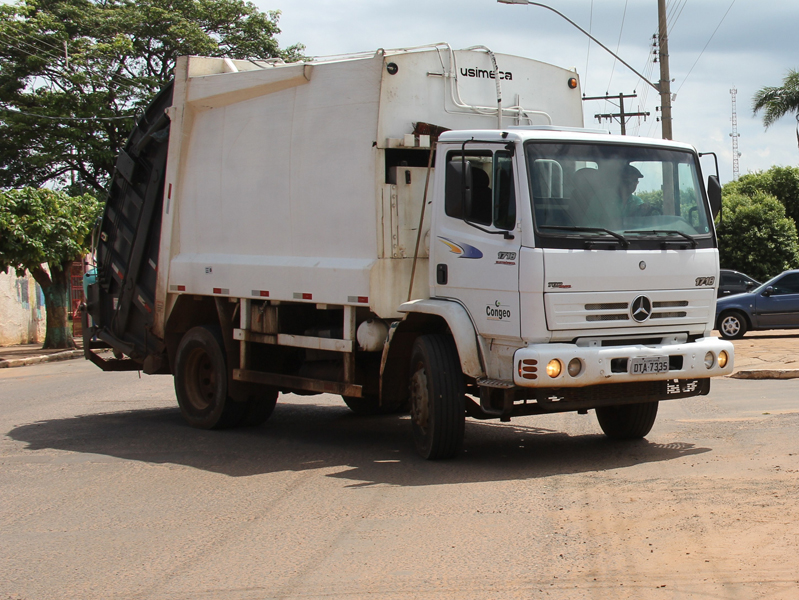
(56, 305)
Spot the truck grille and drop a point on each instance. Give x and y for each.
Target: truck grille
(607, 306)
(619, 317)
(624, 316)
(574, 310)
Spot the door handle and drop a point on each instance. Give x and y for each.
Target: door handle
(441, 274)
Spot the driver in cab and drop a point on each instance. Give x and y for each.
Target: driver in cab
(630, 205)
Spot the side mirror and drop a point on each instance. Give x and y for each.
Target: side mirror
(714, 194)
(768, 291)
(458, 190)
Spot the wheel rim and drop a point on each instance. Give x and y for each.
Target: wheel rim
(200, 379)
(420, 401)
(731, 325)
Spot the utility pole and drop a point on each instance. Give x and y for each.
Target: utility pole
(664, 87)
(621, 115)
(734, 135)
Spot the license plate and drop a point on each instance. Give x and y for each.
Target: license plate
(648, 364)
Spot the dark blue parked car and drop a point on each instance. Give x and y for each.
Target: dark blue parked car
(735, 282)
(773, 305)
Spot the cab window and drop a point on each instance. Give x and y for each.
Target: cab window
(493, 190)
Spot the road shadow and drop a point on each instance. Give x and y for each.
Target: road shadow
(365, 450)
(770, 334)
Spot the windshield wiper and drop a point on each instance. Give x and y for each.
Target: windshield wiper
(622, 240)
(667, 231)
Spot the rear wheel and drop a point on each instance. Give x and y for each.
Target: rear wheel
(201, 381)
(732, 325)
(437, 397)
(628, 421)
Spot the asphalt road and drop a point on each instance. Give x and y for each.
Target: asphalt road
(106, 494)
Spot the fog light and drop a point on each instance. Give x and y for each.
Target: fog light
(575, 366)
(554, 367)
(710, 360)
(723, 359)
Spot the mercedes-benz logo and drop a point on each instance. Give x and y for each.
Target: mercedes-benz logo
(641, 309)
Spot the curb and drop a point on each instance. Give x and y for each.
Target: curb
(766, 374)
(34, 360)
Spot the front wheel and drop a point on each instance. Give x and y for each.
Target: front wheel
(732, 325)
(259, 407)
(201, 381)
(628, 421)
(437, 393)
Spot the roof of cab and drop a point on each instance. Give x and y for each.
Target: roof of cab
(554, 133)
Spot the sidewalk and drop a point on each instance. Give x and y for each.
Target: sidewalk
(32, 354)
(767, 355)
(758, 355)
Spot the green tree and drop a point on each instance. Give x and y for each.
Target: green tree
(780, 182)
(756, 237)
(775, 102)
(42, 226)
(73, 73)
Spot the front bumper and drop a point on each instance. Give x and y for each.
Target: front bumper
(610, 364)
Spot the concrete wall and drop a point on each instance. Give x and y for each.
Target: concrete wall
(22, 317)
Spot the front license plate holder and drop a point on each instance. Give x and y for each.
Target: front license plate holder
(644, 365)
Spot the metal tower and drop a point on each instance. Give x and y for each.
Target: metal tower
(734, 135)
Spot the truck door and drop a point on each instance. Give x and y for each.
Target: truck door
(475, 255)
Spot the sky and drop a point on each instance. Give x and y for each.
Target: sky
(714, 46)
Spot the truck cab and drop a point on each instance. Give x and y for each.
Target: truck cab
(587, 265)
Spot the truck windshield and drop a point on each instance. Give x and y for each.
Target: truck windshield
(622, 194)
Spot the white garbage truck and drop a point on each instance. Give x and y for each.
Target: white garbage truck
(423, 229)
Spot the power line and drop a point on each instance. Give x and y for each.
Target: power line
(654, 57)
(588, 52)
(49, 56)
(622, 116)
(670, 8)
(677, 18)
(647, 72)
(705, 48)
(27, 114)
(618, 44)
(122, 82)
(56, 53)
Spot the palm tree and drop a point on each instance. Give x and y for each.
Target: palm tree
(778, 101)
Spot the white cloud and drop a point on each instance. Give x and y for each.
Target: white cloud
(753, 47)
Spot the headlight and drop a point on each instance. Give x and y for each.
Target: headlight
(575, 366)
(723, 358)
(554, 367)
(710, 360)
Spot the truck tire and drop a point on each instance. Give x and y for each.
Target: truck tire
(259, 407)
(732, 325)
(437, 392)
(201, 381)
(628, 421)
